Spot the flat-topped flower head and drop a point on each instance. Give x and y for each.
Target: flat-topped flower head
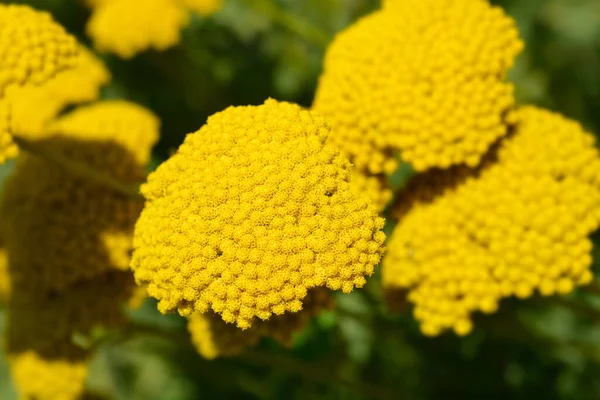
(79, 229)
(33, 48)
(33, 107)
(214, 338)
(128, 27)
(252, 211)
(422, 80)
(519, 224)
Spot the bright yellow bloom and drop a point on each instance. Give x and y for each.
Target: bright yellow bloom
(79, 229)
(203, 7)
(45, 361)
(214, 338)
(34, 106)
(8, 149)
(518, 224)
(41, 378)
(422, 80)
(252, 211)
(127, 27)
(375, 188)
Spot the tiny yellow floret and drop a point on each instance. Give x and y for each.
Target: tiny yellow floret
(516, 225)
(252, 211)
(422, 80)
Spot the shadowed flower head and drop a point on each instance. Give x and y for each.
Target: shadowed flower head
(78, 228)
(214, 338)
(517, 225)
(420, 79)
(252, 211)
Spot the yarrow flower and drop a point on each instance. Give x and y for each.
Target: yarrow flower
(79, 228)
(374, 187)
(128, 27)
(32, 107)
(252, 211)
(518, 224)
(214, 338)
(422, 80)
(33, 49)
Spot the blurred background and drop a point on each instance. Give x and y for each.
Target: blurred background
(240, 56)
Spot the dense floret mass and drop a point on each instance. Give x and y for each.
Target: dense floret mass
(33, 48)
(34, 106)
(518, 225)
(80, 228)
(422, 80)
(8, 149)
(376, 188)
(127, 27)
(252, 211)
(214, 338)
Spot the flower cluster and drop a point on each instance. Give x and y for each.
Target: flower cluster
(376, 188)
(252, 211)
(422, 80)
(128, 27)
(32, 107)
(517, 224)
(77, 277)
(214, 338)
(33, 49)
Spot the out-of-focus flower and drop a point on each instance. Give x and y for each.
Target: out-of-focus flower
(214, 338)
(45, 361)
(421, 79)
(34, 106)
(4, 276)
(518, 224)
(33, 49)
(78, 228)
(251, 212)
(374, 187)
(127, 27)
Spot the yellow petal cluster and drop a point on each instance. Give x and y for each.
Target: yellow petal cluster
(127, 27)
(214, 338)
(422, 80)
(517, 225)
(252, 211)
(374, 187)
(33, 48)
(79, 229)
(34, 106)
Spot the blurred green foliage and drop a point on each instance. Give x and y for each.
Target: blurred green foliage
(539, 349)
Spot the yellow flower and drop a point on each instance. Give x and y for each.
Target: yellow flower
(422, 80)
(79, 229)
(214, 338)
(4, 276)
(203, 7)
(374, 187)
(33, 49)
(34, 106)
(127, 27)
(518, 224)
(252, 211)
(45, 360)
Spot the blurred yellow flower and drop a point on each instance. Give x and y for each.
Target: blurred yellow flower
(203, 7)
(4, 276)
(518, 224)
(127, 27)
(422, 80)
(34, 106)
(251, 212)
(79, 229)
(214, 338)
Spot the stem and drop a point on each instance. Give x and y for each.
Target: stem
(289, 21)
(78, 169)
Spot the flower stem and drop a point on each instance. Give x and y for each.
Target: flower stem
(289, 21)
(78, 169)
